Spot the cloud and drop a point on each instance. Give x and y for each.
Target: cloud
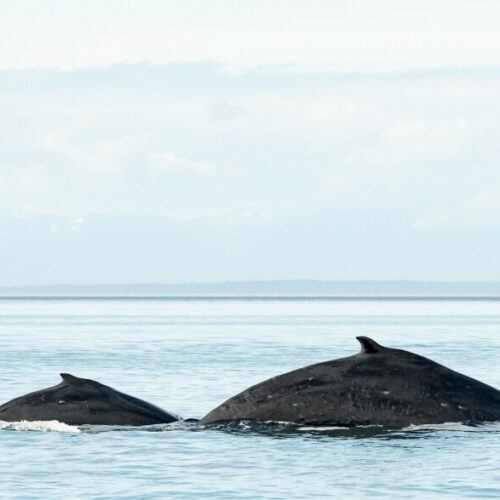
(367, 36)
(223, 110)
(169, 162)
(478, 209)
(194, 140)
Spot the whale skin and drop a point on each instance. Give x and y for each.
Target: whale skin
(377, 386)
(79, 401)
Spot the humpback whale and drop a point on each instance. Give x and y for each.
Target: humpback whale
(377, 386)
(79, 401)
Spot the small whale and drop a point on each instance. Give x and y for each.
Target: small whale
(377, 386)
(79, 401)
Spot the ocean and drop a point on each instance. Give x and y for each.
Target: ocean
(189, 354)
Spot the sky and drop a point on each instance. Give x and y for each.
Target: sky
(193, 141)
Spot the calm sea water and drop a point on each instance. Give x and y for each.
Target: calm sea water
(189, 355)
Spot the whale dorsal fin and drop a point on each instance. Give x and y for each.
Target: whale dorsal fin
(81, 382)
(369, 346)
(71, 379)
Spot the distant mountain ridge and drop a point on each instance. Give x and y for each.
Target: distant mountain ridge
(268, 288)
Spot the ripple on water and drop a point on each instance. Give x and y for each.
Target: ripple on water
(189, 356)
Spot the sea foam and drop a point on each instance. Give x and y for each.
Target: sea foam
(38, 425)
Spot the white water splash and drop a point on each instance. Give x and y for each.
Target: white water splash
(337, 427)
(454, 426)
(322, 428)
(179, 425)
(56, 426)
(38, 425)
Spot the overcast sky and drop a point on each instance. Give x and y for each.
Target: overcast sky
(159, 141)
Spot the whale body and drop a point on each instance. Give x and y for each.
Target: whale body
(377, 386)
(79, 401)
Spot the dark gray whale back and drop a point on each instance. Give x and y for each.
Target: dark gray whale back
(79, 401)
(383, 386)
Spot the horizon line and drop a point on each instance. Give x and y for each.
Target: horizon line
(292, 288)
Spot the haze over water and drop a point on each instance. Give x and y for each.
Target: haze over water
(190, 354)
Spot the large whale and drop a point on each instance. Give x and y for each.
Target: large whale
(79, 401)
(379, 385)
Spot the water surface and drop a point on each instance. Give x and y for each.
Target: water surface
(190, 354)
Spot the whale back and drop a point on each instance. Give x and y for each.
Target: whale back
(379, 385)
(79, 401)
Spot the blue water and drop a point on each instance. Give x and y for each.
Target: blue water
(189, 355)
